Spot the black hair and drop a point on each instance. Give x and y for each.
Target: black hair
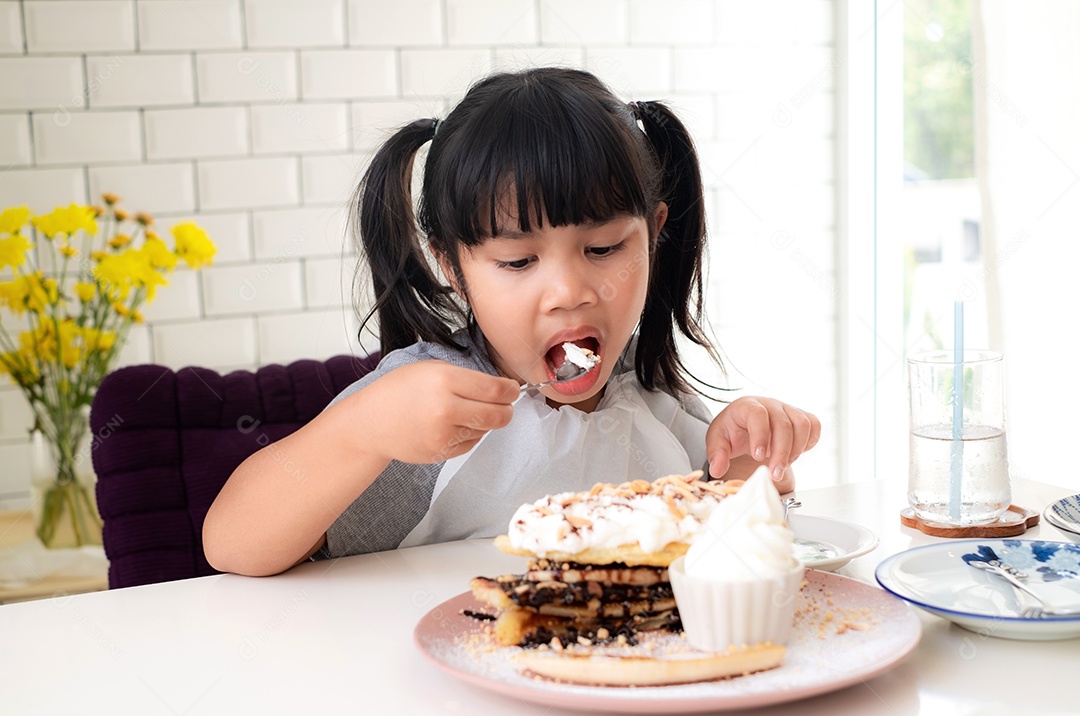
(556, 144)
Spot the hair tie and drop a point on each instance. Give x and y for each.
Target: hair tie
(435, 127)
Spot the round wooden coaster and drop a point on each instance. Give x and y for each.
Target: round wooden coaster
(1015, 521)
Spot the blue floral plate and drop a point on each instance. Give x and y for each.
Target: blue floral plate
(938, 579)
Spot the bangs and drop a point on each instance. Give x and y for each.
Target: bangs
(540, 153)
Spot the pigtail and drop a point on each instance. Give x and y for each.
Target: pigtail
(675, 287)
(411, 303)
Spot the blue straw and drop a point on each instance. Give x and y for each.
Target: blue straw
(957, 461)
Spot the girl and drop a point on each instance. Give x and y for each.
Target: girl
(555, 214)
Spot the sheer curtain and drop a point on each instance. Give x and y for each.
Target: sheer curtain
(1026, 80)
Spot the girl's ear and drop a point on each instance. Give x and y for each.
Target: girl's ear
(660, 216)
(449, 272)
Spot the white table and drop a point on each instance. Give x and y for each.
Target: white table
(336, 638)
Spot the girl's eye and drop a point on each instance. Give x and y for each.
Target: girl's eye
(517, 265)
(606, 250)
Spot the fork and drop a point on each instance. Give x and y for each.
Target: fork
(1014, 576)
(789, 504)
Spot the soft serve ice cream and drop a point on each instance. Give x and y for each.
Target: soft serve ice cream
(745, 537)
(739, 581)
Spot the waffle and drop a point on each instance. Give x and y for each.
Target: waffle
(593, 667)
(576, 588)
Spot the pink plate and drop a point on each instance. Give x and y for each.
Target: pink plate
(820, 658)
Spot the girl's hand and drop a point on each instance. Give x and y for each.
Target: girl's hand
(752, 431)
(431, 411)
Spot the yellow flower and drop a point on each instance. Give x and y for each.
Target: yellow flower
(69, 250)
(85, 291)
(49, 345)
(70, 343)
(114, 273)
(121, 215)
(110, 199)
(193, 245)
(13, 219)
(157, 254)
(119, 241)
(66, 220)
(144, 275)
(31, 292)
(20, 365)
(96, 340)
(13, 250)
(143, 218)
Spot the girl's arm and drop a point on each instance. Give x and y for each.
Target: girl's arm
(274, 510)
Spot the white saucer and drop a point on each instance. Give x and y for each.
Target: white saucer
(938, 579)
(1064, 514)
(827, 544)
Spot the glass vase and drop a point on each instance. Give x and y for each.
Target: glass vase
(63, 483)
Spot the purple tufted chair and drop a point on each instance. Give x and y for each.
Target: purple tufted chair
(165, 442)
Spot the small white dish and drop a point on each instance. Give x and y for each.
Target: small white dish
(938, 579)
(826, 544)
(1064, 514)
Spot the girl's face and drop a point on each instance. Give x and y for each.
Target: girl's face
(584, 284)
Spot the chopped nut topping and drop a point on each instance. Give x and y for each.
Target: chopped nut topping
(675, 509)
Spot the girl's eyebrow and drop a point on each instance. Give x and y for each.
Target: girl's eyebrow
(512, 234)
(508, 233)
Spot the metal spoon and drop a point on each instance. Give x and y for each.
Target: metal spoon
(563, 374)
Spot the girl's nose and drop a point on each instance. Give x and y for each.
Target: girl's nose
(568, 288)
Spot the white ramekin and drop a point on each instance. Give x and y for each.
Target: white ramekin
(718, 614)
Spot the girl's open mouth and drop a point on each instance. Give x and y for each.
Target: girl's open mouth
(556, 355)
(588, 358)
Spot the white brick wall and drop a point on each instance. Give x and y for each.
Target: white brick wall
(11, 35)
(190, 25)
(348, 74)
(246, 76)
(140, 81)
(14, 140)
(286, 23)
(375, 23)
(79, 25)
(117, 138)
(257, 117)
(41, 83)
(197, 132)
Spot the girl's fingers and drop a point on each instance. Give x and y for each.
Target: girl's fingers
(781, 440)
(758, 429)
(801, 428)
(483, 388)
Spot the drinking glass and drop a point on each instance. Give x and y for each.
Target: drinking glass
(958, 467)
